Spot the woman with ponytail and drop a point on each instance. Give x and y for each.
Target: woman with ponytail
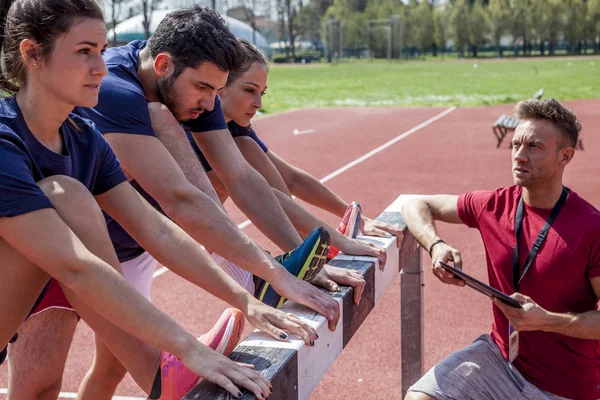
(57, 173)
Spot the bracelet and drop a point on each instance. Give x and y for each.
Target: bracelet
(433, 244)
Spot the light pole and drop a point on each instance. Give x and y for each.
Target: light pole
(393, 20)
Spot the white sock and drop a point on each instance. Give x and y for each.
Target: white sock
(241, 276)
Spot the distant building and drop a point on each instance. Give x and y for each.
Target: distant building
(133, 29)
(267, 27)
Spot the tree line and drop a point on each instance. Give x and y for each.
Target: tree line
(465, 26)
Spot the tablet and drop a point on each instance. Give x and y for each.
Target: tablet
(481, 287)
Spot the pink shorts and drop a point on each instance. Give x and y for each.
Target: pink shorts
(138, 272)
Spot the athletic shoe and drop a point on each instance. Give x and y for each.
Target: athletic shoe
(225, 335)
(348, 226)
(176, 379)
(304, 262)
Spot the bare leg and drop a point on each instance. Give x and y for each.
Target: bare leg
(77, 207)
(22, 283)
(102, 379)
(106, 372)
(418, 396)
(37, 358)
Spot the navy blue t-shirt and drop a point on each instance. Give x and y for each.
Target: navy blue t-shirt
(87, 157)
(236, 131)
(123, 108)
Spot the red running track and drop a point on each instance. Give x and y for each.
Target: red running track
(451, 155)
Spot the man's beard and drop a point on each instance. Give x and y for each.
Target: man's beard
(167, 96)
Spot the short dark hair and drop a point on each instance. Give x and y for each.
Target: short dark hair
(551, 110)
(40, 20)
(195, 35)
(253, 55)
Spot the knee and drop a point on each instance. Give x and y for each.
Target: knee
(69, 195)
(46, 388)
(418, 396)
(60, 188)
(107, 375)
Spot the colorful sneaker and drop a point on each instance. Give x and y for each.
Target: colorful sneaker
(348, 226)
(304, 262)
(176, 379)
(226, 334)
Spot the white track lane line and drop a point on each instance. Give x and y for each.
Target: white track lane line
(346, 167)
(68, 395)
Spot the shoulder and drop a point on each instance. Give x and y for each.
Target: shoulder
(237, 130)
(84, 130)
(122, 79)
(11, 146)
(121, 84)
(8, 112)
(584, 212)
(495, 197)
(127, 55)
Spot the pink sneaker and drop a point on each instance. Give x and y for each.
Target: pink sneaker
(176, 379)
(348, 226)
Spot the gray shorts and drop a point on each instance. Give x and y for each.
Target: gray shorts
(478, 372)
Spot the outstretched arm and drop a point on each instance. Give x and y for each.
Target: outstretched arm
(147, 160)
(306, 187)
(247, 188)
(420, 215)
(172, 247)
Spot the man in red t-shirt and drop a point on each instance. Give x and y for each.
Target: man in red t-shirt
(554, 346)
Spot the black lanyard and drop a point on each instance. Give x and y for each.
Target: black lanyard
(538, 242)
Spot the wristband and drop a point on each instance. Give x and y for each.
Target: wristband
(433, 244)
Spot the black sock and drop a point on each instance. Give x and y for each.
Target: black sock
(258, 284)
(156, 386)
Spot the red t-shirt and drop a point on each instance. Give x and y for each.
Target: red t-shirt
(558, 280)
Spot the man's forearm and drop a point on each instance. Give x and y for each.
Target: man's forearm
(309, 189)
(304, 221)
(253, 195)
(206, 222)
(582, 326)
(180, 253)
(420, 222)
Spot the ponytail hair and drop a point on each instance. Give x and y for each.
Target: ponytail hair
(40, 20)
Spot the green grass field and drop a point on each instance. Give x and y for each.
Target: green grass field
(429, 83)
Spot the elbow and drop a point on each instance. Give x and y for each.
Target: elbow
(412, 206)
(72, 274)
(176, 202)
(246, 177)
(292, 181)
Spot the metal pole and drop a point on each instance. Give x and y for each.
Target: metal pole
(411, 312)
(325, 41)
(331, 38)
(390, 39)
(341, 39)
(368, 40)
(401, 37)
